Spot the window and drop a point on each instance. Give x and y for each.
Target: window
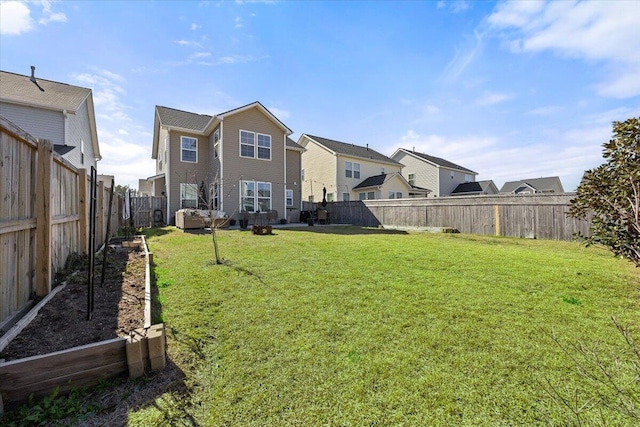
(82, 151)
(352, 170)
(412, 179)
(392, 194)
(371, 195)
(264, 146)
(329, 197)
(188, 196)
(345, 197)
(252, 200)
(451, 174)
(289, 196)
(310, 199)
(215, 196)
(189, 152)
(382, 171)
(247, 144)
(362, 196)
(216, 143)
(302, 175)
(468, 178)
(247, 195)
(398, 195)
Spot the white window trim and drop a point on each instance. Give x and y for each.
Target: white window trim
(240, 144)
(183, 191)
(288, 192)
(258, 146)
(256, 191)
(182, 137)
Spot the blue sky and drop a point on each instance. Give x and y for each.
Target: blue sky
(510, 90)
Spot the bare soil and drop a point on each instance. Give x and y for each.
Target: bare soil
(118, 309)
(63, 323)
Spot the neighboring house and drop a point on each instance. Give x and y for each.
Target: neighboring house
(439, 175)
(348, 172)
(475, 188)
(56, 111)
(550, 184)
(240, 160)
(145, 188)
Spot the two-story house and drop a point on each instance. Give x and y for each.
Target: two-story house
(239, 160)
(437, 174)
(55, 111)
(346, 172)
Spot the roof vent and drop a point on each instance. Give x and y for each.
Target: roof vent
(33, 78)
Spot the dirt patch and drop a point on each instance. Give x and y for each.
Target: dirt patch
(62, 323)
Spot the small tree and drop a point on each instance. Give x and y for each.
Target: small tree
(611, 193)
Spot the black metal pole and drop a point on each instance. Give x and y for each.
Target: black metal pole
(106, 239)
(92, 240)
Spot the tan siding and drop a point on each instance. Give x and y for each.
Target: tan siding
(319, 170)
(184, 172)
(426, 175)
(238, 168)
(367, 169)
(447, 185)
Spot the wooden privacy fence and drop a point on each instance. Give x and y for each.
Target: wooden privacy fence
(44, 216)
(143, 211)
(539, 216)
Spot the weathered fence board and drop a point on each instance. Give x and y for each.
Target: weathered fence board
(43, 216)
(532, 216)
(143, 208)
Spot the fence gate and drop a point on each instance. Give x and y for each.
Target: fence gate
(143, 210)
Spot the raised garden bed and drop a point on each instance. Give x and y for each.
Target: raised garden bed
(60, 348)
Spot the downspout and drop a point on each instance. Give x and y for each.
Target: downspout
(66, 127)
(220, 161)
(167, 175)
(284, 199)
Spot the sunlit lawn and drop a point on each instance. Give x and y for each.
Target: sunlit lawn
(352, 327)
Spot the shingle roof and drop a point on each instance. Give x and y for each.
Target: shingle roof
(352, 150)
(182, 119)
(439, 161)
(291, 143)
(467, 187)
(539, 184)
(372, 181)
(57, 96)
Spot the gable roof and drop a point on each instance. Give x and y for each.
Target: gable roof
(182, 119)
(486, 184)
(372, 181)
(351, 150)
(437, 161)
(467, 187)
(538, 184)
(19, 89)
(258, 105)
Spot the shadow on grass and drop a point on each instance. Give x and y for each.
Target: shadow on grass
(156, 231)
(345, 230)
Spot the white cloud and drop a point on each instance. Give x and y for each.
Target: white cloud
(238, 21)
(463, 57)
(548, 110)
(195, 27)
(493, 98)
(604, 32)
(500, 159)
(15, 18)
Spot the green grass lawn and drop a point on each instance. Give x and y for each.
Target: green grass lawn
(354, 327)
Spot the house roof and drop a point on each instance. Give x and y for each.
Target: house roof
(372, 181)
(352, 150)
(182, 119)
(19, 89)
(294, 145)
(538, 184)
(486, 184)
(437, 161)
(256, 104)
(468, 187)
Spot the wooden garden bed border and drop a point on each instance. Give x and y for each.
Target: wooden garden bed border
(84, 366)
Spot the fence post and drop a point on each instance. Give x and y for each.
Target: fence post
(496, 216)
(43, 217)
(100, 214)
(83, 211)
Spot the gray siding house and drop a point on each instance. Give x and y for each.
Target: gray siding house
(441, 176)
(56, 111)
(239, 160)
